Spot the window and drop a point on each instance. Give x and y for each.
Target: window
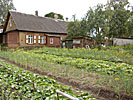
(42, 39)
(76, 41)
(10, 23)
(51, 40)
(1, 30)
(30, 39)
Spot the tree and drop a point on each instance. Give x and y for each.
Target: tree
(130, 27)
(118, 17)
(91, 25)
(96, 23)
(76, 28)
(114, 19)
(5, 6)
(52, 14)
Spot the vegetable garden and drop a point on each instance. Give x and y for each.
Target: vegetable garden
(115, 54)
(112, 66)
(18, 84)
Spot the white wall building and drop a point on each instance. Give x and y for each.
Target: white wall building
(122, 41)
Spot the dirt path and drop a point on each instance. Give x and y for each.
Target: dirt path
(99, 93)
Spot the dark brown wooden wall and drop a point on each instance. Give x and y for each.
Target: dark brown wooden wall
(1, 40)
(56, 41)
(12, 39)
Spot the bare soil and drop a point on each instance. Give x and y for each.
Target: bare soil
(101, 93)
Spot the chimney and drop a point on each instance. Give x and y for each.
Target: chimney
(66, 19)
(55, 16)
(36, 13)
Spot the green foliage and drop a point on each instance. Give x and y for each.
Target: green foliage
(31, 85)
(112, 20)
(83, 59)
(130, 26)
(51, 15)
(5, 6)
(93, 65)
(96, 23)
(110, 54)
(76, 28)
(118, 18)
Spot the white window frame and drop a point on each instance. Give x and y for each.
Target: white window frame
(34, 39)
(26, 38)
(51, 40)
(38, 39)
(30, 39)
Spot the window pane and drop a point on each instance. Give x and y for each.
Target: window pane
(10, 23)
(51, 40)
(28, 40)
(31, 40)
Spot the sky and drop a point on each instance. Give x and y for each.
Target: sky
(65, 7)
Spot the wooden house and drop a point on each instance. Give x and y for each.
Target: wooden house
(22, 30)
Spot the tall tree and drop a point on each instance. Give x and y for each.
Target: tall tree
(5, 6)
(96, 23)
(118, 16)
(52, 15)
(76, 28)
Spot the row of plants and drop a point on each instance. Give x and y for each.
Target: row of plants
(127, 48)
(111, 54)
(28, 57)
(92, 65)
(121, 71)
(32, 86)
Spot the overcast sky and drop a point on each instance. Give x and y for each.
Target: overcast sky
(65, 7)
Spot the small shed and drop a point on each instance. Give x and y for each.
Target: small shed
(77, 42)
(80, 42)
